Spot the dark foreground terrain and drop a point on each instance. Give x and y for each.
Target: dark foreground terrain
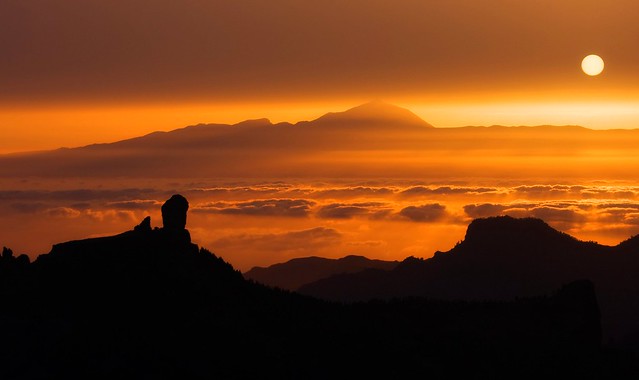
(150, 304)
(502, 258)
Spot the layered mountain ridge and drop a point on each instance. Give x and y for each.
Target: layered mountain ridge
(504, 258)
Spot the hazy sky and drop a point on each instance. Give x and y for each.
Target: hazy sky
(76, 71)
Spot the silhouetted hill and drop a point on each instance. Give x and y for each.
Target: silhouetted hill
(375, 139)
(250, 146)
(297, 272)
(373, 114)
(503, 258)
(148, 303)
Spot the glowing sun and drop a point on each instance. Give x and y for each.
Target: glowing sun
(592, 65)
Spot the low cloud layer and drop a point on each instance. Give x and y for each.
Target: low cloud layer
(279, 220)
(445, 190)
(136, 204)
(303, 240)
(373, 210)
(77, 195)
(424, 213)
(566, 214)
(268, 207)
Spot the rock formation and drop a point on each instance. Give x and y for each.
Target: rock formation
(144, 226)
(174, 213)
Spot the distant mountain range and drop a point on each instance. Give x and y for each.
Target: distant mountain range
(504, 258)
(301, 271)
(374, 139)
(148, 303)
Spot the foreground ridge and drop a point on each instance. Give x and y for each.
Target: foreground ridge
(149, 302)
(502, 258)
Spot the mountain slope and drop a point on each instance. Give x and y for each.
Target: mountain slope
(297, 272)
(373, 114)
(504, 258)
(243, 149)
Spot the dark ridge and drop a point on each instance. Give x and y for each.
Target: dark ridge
(300, 271)
(629, 245)
(502, 258)
(149, 303)
(505, 235)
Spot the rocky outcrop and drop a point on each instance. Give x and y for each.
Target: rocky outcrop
(8, 259)
(174, 213)
(143, 242)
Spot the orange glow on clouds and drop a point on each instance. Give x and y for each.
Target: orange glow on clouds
(261, 223)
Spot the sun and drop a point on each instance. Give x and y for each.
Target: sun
(592, 65)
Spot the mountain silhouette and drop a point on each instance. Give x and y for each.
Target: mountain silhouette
(372, 140)
(246, 148)
(148, 303)
(300, 271)
(373, 114)
(502, 258)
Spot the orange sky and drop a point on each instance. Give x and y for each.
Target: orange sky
(75, 72)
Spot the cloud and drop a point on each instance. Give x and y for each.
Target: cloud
(122, 211)
(610, 192)
(556, 210)
(555, 214)
(320, 191)
(242, 191)
(484, 210)
(28, 207)
(353, 192)
(81, 205)
(631, 218)
(424, 213)
(303, 240)
(267, 207)
(63, 212)
(563, 214)
(575, 191)
(617, 216)
(76, 195)
(128, 216)
(545, 190)
(560, 211)
(625, 212)
(137, 204)
(350, 210)
(619, 206)
(446, 190)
